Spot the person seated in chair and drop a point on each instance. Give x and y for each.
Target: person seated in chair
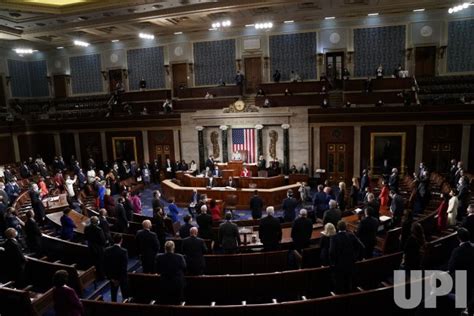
(231, 183)
(216, 172)
(167, 106)
(260, 93)
(245, 173)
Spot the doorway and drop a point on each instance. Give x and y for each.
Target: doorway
(336, 162)
(115, 76)
(60, 86)
(425, 61)
(253, 74)
(180, 77)
(334, 67)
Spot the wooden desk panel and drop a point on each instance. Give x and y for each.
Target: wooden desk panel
(294, 100)
(183, 195)
(379, 84)
(202, 104)
(298, 177)
(200, 92)
(295, 87)
(261, 183)
(146, 95)
(371, 98)
(80, 220)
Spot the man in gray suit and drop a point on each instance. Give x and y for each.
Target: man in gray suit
(229, 237)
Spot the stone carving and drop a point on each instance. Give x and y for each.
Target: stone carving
(273, 140)
(240, 106)
(215, 144)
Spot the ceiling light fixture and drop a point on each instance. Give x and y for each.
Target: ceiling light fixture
(266, 25)
(146, 36)
(81, 43)
(115, 40)
(460, 7)
(419, 10)
(59, 47)
(289, 22)
(213, 29)
(22, 51)
(220, 24)
(249, 25)
(330, 18)
(373, 14)
(178, 33)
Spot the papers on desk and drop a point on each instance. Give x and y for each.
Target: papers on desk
(230, 188)
(384, 218)
(52, 199)
(358, 210)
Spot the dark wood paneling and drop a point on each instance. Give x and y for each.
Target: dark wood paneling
(146, 95)
(8, 155)
(139, 142)
(253, 74)
(200, 92)
(161, 139)
(425, 61)
(37, 144)
(295, 87)
(60, 86)
(379, 84)
(449, 136)
(294, 100)
(90, 146)
(180, 77)
(410, 148)
(338, 135)
(68, 146)
(373, 97)
(202, 104)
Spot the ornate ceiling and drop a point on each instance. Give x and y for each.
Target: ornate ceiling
(45, 24)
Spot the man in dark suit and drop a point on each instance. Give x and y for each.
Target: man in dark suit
(122, 222)
(364, 180)
(301, 231)
(367, 232)
(343, 252)
(105, 226)
(170, 169)
(289, 207)
(216, 172)
(184, 230)
(14, 267)
(171, 268)
(210, 162)
(463, 196)
(462, 259)
(397, 207)
(148, 246)
(262, 163)
(204, 222)
(33, 233)
(231, 183)
(228, 236)
(468, 222)
(373, 204)
(156, 202)
(393, 180)
(320, 202)
(333, 215)
(116, 260)
(194, 249)
(256, 205)
(270, 231)
(96, 244)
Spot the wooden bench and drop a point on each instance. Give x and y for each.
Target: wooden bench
(16, 302)
(68, 252)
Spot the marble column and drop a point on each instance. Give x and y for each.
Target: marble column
(202, 160)
(77, 145)
(259, 129)
(16, 147)
(357, 150)
(286, 147)
(225, 149)
(465, 141)
(146, 151)
(57, 144)
(419, 148)
(316, 148)
(177, 145)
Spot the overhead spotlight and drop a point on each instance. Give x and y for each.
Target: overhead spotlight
(249, 25)
(330, 18)
(81, 43)
(115, 40)
(266, 25)
(178, 33)
(146, 36)
(373, 14)
(59, 47)
(23, 51)
(219, 24)
(289, 22)
(419, 10)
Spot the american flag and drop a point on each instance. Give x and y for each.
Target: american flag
(244, 139)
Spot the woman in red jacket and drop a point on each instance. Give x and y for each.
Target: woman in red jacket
(383, 196)
(442, 213)
(215, 211)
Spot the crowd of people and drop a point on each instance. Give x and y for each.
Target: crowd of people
(328, 205)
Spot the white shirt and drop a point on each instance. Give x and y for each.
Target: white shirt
(69, 187)
(452, 210)
(91, 176)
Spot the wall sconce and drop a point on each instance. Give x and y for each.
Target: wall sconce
(441, 51)
(408, 52)
(238, 63)
(8, 79)
(191, 68)
(125, 73)
(320, 58)
(104, 74)
(265, 61)
(349, 57)
(167, 69)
